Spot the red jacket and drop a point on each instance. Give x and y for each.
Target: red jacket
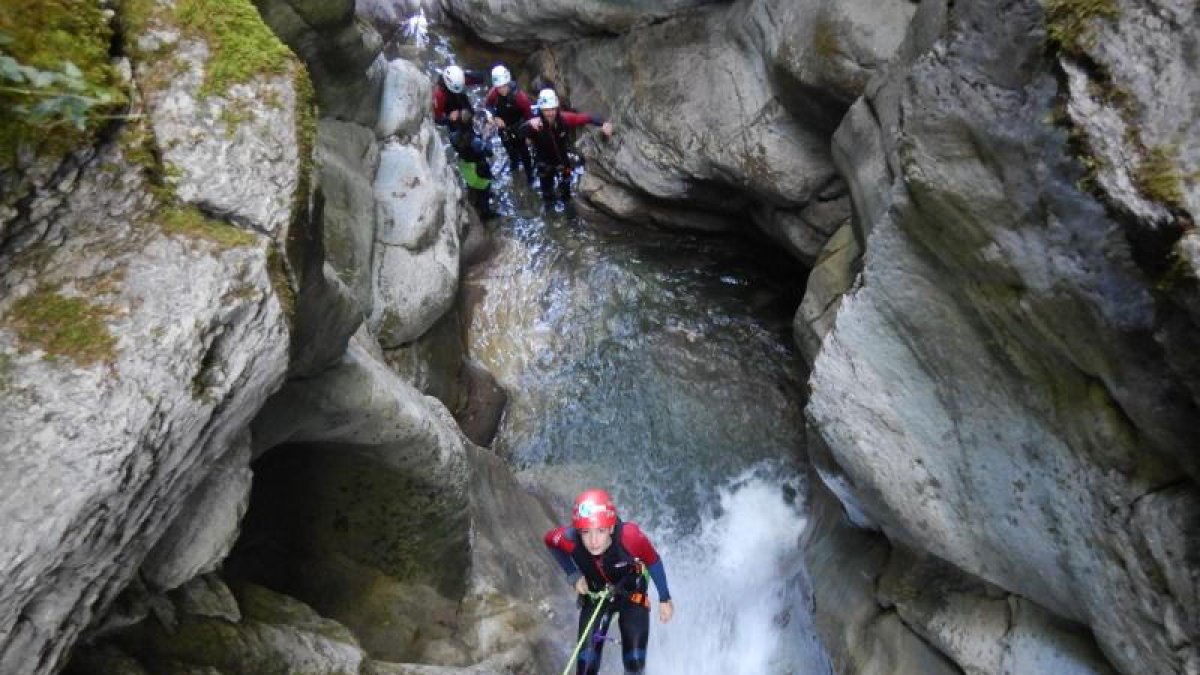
(513, 109)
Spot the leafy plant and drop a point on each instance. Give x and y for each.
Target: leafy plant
(46, 97)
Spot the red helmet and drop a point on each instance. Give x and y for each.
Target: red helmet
(593, 508)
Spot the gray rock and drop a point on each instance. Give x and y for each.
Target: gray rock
(831, 277)
(232, 153)
(1127, 115)
(405, 101)
(347, 158)
(204, 532)
(980, 627)
(418, 216)
(208, 596)
(991, 392)
(728, 110)
(341, 52)
(277, 635)
(198, 341)
(858, 634)
(524, 23)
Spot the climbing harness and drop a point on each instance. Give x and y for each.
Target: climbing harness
(601, 598)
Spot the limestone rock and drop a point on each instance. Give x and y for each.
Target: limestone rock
(233, 153)
(831, 278)
(205, 530)
(341, 51)
(997, 391)
(727, 110)
(520, 23)
(415, 262)
(1138, 104)
(185, 339)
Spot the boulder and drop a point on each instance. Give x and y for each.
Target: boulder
(1002, 389)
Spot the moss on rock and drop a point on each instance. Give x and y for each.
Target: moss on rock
(1159, 178)
(1069, 22)
(188, 222)
(63, 326)
(242, 46)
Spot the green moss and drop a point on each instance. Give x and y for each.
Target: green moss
(242, 46)
(190, 223)
(1070, 23)
(282, 284)
(1159, 177)
(825, 38)
(45, 34)
(5, 372)
(62, 326)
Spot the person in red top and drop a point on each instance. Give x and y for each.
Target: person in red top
(601, 551)
(510, 107)
(549, 133)
(450, 97)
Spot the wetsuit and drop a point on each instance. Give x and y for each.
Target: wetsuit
(473, 152)
(446, 101)
(550, 144)
(513, 109)
(473, 165)
(623, 567)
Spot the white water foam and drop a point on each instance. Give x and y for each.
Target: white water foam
(741, 607)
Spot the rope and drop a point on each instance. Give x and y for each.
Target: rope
(587, 632)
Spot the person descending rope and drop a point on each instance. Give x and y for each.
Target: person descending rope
(510, 107)
(549, 133)
(608, 561)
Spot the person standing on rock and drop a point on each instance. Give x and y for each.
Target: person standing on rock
(598, 552)
(549, 132)
(510, 107)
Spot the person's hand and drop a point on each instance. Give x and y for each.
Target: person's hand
(607, 128)
(453, 115)
(535, 124)
(581, 586)
(665, 611)
(499, 122)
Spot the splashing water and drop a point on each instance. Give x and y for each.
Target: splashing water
(416, 29)
(740, 605)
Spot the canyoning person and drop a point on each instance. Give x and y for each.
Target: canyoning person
(549, 132)
(608, 561)
(452, 109)
(474, 151)
(510, 107)
(450, 96)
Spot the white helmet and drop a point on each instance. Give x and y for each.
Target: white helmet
(501, 76)
(455, 79)
(547, 99)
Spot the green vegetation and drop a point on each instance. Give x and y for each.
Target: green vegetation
(190, 223)
(1159, 177)
(282, 284)
(57, 82)
(242, 46)
(1069, 23)
(825, 37)
(62, 326)
(5, 372)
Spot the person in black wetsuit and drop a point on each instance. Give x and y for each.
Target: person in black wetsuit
(510, 107)
(599, 550)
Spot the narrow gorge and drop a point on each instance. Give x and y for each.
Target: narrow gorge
(880, 317)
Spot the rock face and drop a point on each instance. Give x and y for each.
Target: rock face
(393, 211)
(142, 323)
(728, 111)
(524, 23)
(1004, 388)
